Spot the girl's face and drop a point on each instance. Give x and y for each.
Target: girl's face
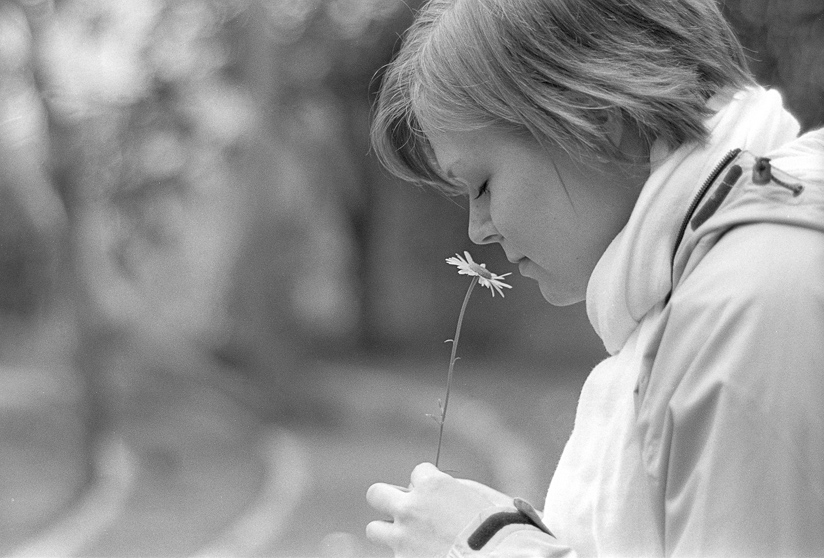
(553, 215)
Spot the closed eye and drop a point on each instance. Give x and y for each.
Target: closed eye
(482, 190)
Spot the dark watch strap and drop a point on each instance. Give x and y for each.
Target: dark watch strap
(524, 514)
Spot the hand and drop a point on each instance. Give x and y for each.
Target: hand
(429, 515)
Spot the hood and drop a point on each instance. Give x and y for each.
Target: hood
(634, 273)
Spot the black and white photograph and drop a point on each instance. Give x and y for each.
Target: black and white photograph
(411, 278)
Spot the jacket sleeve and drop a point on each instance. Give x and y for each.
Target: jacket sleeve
(740, 460)
(507, 532)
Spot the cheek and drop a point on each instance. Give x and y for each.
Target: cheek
(529, 211)
(529, 231)
(509, 218)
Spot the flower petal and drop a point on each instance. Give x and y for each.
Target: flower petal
(467, 266)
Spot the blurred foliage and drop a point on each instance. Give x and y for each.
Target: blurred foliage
(200, 155)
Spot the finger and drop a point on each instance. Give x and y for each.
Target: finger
(423, 472)
(381, 532)
(385, 498)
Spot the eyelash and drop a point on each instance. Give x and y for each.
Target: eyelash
(482, 190)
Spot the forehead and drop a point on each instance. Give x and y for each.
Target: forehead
(463, 154)
(460, 152)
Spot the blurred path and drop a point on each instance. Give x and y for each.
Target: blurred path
(94, 511)
(298, 488)
(267, 517)
(43, 462)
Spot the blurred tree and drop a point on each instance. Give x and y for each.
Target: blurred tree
(785, 44)
(124, 144)
(33, 218)
(43, 434)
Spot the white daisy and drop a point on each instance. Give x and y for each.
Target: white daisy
(485, 277)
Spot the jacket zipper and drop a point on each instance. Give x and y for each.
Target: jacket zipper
(722, 164)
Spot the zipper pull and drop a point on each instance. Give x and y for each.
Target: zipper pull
(762, 174)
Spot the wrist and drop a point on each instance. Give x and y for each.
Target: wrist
(498, 521)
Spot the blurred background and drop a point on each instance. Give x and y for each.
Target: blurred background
(220, 320)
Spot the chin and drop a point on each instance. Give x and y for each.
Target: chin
(560, 297)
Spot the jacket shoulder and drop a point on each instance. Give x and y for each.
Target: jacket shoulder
(765, 263)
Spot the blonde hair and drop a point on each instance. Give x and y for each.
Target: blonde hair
(555, 70)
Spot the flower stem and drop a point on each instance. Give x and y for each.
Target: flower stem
(452, 360)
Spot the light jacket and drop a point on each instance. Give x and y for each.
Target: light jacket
(703, 433)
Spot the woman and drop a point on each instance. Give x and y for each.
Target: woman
(620, 153)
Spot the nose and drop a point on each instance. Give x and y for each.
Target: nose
(481, 228)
